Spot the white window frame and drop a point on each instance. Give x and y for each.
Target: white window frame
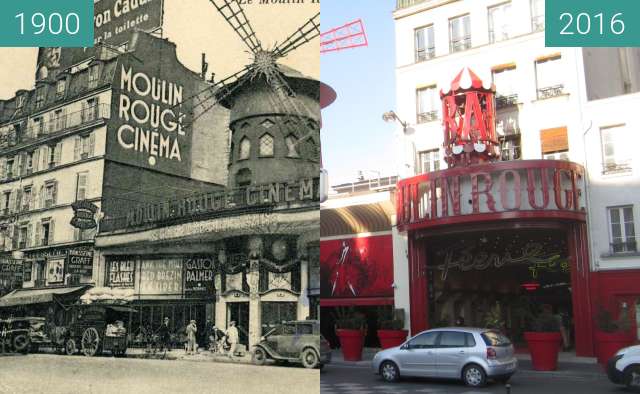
(503, 32)
(428, 40)
(461, 43)
(614, 163)
(433, 156)
(430, 112)
(628, 246)
(549, 86)
(537, 19)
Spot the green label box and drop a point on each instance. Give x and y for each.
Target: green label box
(46, 23)
(592, 23)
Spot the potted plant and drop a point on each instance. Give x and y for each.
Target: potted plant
(350, 329)
(544, 341)
(391, 330)
(611, 335)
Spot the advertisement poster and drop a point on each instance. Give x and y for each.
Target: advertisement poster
(80, 262)
(121, 272)
(55, 270)
(199, 273)
(160, 277)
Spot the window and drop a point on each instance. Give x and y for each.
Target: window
(58, 120)
(549, 77)
(27, 198)
(38, 126)
(507, 121)
(45, 233)
(266, 145)
(6, 206)
(55, 152)
(537, 15)
(425, 46)
(245, 148)
(89, 110)
(94, 76)
(494, 338)
(427, 102)
(424, 341)
(50, 192)
(40, 96)
(616, 150)
(460, 33)
(453, 339)
(560, 155)
(623, 235)
(506, 82)
(500, 22)
(510, 147)
(429, 161)
(30, 162)
(9, 168)
(61, 87)
(292, 146)
(23, 236)
(84, 147)
(81, 186)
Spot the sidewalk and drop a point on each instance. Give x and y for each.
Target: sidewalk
(181, 354)
(568, 363)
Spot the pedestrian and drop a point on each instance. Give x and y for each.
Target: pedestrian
(164, 333)
(192, 329)
(208, 332)
(232, 338)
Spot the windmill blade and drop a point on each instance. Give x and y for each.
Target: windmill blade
(303, 35)
(236, 18)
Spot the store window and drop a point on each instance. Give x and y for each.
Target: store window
(617, 153)
(429, 161)
(500, 18)
(266, 145)
(245, 148)
(427, 103)
(425, 47)
(460, 33)
(504, 78)
(622, 234)
(276, 313)
(549, 76)
(292, 146)
(537, 15)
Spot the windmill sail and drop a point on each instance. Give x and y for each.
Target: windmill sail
(303, 35)
(236, 18)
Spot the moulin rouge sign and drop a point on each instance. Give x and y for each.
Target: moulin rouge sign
(517, 186)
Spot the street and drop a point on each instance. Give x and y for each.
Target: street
(56, 374)
(341, 379)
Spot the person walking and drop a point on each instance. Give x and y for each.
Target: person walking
(164, 333)
(208, 333)
(232, 338)
(192, 329)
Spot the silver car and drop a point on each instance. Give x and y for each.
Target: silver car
(473, 355)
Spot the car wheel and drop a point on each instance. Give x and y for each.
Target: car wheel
(21, 343)
(389, 371)
(259, 356)
(309, 358)
(70, 347)
(474, 376)
(632, 378)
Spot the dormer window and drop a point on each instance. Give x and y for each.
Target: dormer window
(61, 88)
(40, 96)
(94, 76)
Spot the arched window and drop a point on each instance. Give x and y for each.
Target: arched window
(292, 146)
(245, 148)
(266, 145)
(243, 177)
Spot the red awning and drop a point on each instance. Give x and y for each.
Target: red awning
(363, 301)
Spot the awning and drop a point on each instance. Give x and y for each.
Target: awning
(36, 296)
(356, 219)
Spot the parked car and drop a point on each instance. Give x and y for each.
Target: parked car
(473, 355)
(296, 342)
(14, 334)
(624, 367)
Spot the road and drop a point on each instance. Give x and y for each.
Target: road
(340, 379)
(56, 374)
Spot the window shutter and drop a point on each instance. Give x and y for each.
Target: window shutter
(92, 144)
(19, 163)
(37, 240)
(15, 236)
(3, 167)
(51, 228)
(58, 153)
(81, 189)
(18, 200)
(45, 157)
(55, 193)
(34, 162)
(41, 203)
(12, 202)
(76, 234)
(29, 234)
(76, 148)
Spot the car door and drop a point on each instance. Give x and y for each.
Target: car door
(285, 341)
(417, 356)
(451, 353)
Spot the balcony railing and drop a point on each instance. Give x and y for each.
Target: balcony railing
(537, 23)
(550, 91)
(620, 247)
(408, 3)
(426, 117)
(425, 54)
(461, 44)
(616, 167)
(506, 101)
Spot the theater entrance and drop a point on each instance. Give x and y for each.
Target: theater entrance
(500, 279)
(239, 312)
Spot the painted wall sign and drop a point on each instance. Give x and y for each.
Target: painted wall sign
(121, 272)
(55, 271)
(159, 277)
(356, 267)
(80, 262)
(84, 215)
(199, 273)
(11, 271)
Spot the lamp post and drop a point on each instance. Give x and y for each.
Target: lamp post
(391, 116)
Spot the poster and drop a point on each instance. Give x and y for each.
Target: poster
(121, 272)
(80, 262)
(160, 277)
(199, 273)
(55, 270)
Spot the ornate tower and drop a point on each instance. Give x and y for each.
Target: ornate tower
(469, 121)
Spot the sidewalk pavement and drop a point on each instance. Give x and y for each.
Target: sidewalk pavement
(568, 363)
(181, 354)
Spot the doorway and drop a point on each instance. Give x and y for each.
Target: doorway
(239, 312)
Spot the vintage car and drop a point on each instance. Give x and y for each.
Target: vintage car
(294, 341)
(14, 335)
(97, 328)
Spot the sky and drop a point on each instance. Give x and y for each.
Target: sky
(354, 136)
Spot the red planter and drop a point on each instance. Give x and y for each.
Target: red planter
(392, 338)
(351, 342)
(544, 348)
(608, 343)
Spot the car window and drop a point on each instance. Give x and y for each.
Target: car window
(471, 341)
(424, 340)
(494, 338)
(453, 339)
(305, 329)
(288, 329)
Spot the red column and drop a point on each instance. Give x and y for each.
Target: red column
(580, 289)
(417, 285)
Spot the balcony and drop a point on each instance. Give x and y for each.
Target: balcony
(425, 54)
(460, 45)
(408, 3)
(426, 117)
(615, 167)
(506, 101)
(550, 91)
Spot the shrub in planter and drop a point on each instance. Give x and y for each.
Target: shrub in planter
(350, 329)
(391, 330)
(611, 335)
(544, 341)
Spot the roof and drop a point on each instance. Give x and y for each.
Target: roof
(36, 296)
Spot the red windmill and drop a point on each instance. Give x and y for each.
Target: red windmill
(468, 118)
